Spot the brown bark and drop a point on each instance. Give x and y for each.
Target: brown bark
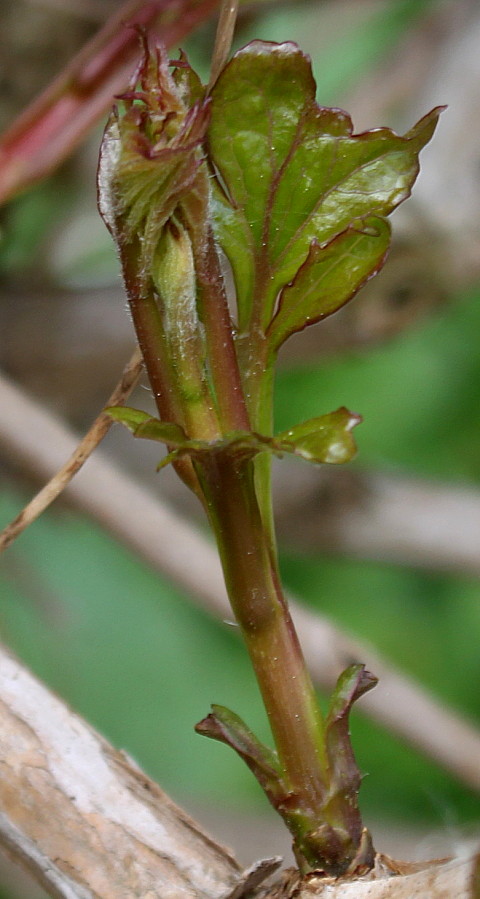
(453, 879)
(82, 818)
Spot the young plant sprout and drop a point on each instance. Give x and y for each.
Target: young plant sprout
(254, 171)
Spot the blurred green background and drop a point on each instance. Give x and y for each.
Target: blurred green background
(124, 646)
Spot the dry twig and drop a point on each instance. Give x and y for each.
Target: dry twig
(223, 39)
(437, 880)
(82, 452)
(67, 797)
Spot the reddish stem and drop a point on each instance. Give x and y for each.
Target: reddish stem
(226, 379)
(50, 128)
(253, 585)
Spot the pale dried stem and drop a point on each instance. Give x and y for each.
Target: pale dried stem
(82, 818)
(441, 879)
(166, 541)
(95, 434)
(223, 39)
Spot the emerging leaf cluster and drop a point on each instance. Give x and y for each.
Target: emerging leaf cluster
(297, 203)
(300, 200)
(151, 156)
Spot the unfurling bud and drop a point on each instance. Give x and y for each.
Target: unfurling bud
(173, 276)
(154, 197)
(173, 269)
(151, 164)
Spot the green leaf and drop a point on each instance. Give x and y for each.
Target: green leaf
(344, 774)
(237, 443)
(127, 416)
(327, 438)
(291, 172)
(330, 276)
(227, 727)
(323, 439)
(187, 81)
(141, 424)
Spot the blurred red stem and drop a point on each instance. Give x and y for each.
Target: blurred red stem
(50, 128)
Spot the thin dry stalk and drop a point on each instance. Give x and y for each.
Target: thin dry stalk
(223, 38)
(100, 427)
(82, 818)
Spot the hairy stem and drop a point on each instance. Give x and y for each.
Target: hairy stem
(153, 344)
(253, 585)
(224, 370)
